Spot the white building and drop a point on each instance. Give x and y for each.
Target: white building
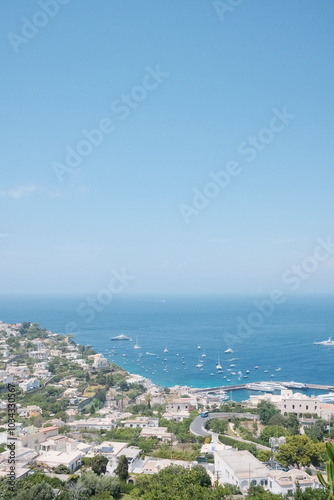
(240, 468)
(141, 422)
(285, 483)
(158, 432)
(295, 402)
(100, 361)
(30, 384)
(181, 405)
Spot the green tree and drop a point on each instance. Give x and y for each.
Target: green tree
(317, 430)
(263, 455)
(41, 491)
(298, 450)
(108, 484)
(266, 411)
(122, 469)
(62, 469)
(259, 493)
(329, 484)
(217, 425)
(272, 431)
(292, 424)
(99, 464)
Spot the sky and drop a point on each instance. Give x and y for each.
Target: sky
(185, 144)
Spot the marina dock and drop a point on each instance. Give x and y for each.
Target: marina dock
(237, 387)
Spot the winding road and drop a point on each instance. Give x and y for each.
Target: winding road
(197, 426)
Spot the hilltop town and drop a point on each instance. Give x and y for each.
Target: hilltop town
(67, 412)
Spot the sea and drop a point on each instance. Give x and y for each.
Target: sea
(269, 342)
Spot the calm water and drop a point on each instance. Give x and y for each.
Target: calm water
(181, 324)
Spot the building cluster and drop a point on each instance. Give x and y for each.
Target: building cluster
(296, 403)
(47, 447)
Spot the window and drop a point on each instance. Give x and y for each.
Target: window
(293, 407)
(307, 407)
(254, 482)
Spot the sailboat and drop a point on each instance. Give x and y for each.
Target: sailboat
(165, 350)
(204, 355)
(136, 346)
(218, 365)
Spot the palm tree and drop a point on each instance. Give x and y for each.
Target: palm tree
(329, 484)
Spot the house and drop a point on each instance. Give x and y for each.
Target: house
(285, 483)
(29, 411)
(114, 450)
(30, 384)
(51, 458)
(34, 439)
(141, 422)
(158, 432)
(153, 465)
(182, 405)
(92, 423)
(240, 468)
(40, 354)
(99, 361)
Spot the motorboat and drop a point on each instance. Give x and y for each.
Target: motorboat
(228, 350)
(165, 350)
(120, 337)
(326, 342)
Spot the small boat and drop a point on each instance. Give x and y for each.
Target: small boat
(198, 347)
(247, 371)
(136, 346)
(278, 369)
(165, 350)
(228, 350)
(256, 367)
(125, 355)
(266, 371)
(218, 365)
(245, 376)
(204, 355)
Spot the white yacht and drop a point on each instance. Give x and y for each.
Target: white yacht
(136, 346)
(228, 350)
(120, 337)
(260, 386)
(326, 342)
(294, 385)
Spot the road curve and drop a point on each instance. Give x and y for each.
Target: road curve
(197, 426)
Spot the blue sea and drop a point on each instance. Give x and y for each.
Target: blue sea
(282, 346)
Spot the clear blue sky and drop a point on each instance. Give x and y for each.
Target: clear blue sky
(121, 207)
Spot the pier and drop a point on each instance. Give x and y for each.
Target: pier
(237, 387)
